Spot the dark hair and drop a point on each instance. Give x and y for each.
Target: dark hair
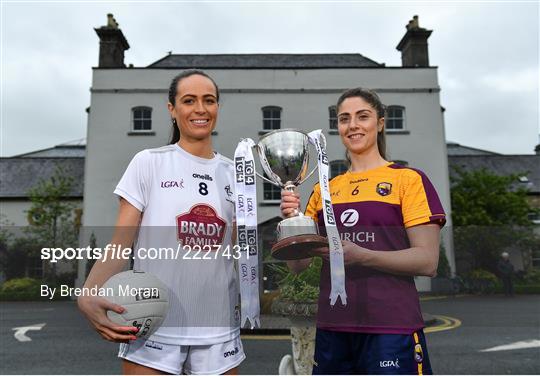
(173, 87)
(373, 99)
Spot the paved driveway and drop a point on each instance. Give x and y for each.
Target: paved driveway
(467, 325)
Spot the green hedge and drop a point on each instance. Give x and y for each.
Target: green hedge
(527, 289)
(532, 277)
(24, 289)
(302, 287)
(20, 289)
(519, 288)
(482, 282)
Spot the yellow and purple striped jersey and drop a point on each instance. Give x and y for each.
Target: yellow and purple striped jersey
(373, 209)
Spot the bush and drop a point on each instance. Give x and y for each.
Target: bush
(20, 289)
(532, 277)
(482, 274)
(300, 288)
(15, 256)
(24, 289)
(481, 281)
(527, 289)
(20, 284)
(300, 292)
(520, 288)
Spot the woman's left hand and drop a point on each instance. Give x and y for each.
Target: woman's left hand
(352, 253)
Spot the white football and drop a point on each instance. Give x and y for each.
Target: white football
(144, 297)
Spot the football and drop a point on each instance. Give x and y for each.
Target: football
(144, 297)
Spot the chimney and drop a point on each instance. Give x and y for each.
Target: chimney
(112, 45)
(414, 46)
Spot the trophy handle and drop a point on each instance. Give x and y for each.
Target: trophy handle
(308, 175)
(268, 180)
(323, 142)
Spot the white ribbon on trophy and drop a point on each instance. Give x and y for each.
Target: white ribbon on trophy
(246, 224)
(337, 267)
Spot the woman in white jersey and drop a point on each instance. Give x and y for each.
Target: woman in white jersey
(179, 194)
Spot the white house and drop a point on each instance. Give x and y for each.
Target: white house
(260, 92)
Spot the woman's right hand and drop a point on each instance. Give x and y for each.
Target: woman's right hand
(95, 309)
(290, 204)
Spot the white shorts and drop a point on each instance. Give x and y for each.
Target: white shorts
(178, 359)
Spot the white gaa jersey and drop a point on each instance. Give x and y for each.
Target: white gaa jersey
(187, 205)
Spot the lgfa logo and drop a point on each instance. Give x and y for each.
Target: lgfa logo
(172, 184)
(389, 363)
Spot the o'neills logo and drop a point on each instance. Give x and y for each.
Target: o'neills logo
(203, 177)
(200, 226)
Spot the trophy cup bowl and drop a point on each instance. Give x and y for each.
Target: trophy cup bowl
(284, 157)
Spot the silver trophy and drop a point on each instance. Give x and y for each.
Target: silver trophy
(284, 157)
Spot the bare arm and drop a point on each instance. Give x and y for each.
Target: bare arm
(94, 307)
(290, 203)
(421, 259)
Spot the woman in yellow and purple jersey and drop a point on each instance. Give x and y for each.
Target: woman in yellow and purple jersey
(389, 219)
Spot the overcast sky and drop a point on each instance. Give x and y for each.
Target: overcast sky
(487, 54)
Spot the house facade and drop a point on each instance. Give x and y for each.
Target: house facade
(259, 93)
(20, 173)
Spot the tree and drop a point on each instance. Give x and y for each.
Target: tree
(489, 216)
(443, 268)
(51, 216)
(15, 257)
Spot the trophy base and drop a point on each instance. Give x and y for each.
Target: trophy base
(299, 247)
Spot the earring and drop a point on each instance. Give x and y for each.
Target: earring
(174, 122)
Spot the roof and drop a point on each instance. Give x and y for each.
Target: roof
(265, 61)
(18, 175)
(453, 148)
(503, 165)
(71, 149)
